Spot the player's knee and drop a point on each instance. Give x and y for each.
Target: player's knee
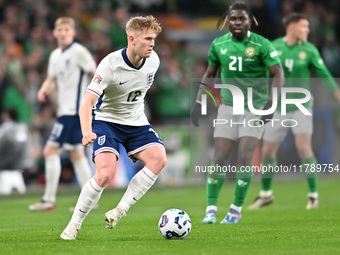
(76, 155)
(245, 158)
(304, 151)
(220, 158)
(105, 176)
(47, 152)
(163, 162)
(156, 164)
(160, 162)
(268, 152)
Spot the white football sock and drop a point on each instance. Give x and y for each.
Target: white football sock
(137, 187)
(266, 193)
(211, 207)
(82, 170)
(314, 195)
(52, 176)
(88, 198)
(237, 208)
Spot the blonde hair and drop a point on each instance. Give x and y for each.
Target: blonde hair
(65, 20)
(143, 23)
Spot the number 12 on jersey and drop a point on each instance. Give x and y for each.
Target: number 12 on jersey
(133, 96)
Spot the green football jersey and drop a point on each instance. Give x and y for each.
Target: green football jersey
(244, 64)
(297, 62)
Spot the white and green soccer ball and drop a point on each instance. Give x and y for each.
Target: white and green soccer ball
(174, 224)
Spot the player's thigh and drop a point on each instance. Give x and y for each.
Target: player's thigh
(303, 139)
(303, 142)
(77, 153)
(223, 124)
(145, 144)
(274, 131)
(249, 125)
(154, 157)
(246, 148)
(303, 134)
(269, 149)
(51, 150)
(304, 123)
(223, 150)
(106, 163)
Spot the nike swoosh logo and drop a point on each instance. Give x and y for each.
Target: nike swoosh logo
(80, 210)
(121, 83)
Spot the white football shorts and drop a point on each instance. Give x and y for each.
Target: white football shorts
(230, 126)
(296, 121)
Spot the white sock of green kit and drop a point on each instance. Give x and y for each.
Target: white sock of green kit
(211, 207)
(52, 176)
(82, 170)
(88, 198)
(137, 187)
(236, 208)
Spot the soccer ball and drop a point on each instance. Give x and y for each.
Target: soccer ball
(174, 224)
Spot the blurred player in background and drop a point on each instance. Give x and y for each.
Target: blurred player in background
(117, 94)
(69, 68)
(298, 57)
(15, 152)
(240, 54)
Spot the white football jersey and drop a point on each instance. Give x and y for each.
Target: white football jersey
(121, 88)
(70, 68)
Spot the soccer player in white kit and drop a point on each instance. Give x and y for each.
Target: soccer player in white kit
(112, 113)
(69, 68)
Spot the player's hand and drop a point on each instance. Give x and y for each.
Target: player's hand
(195, 113)
(88, 138)
(42, 96)
(337, 95)
(266, 118)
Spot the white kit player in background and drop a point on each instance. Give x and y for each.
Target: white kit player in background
(112, 113)
(69, 69)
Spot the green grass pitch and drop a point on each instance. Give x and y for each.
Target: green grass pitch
(285, 227)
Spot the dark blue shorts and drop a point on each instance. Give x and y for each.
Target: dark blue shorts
(66, 132)
(134, 139)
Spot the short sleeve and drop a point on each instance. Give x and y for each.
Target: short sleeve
(50, 67)
(269, 54)
(318, 64)
(101, 79)
(213, 58)
(85, 60)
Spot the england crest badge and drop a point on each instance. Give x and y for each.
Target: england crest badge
(149, 78)
(101, 140)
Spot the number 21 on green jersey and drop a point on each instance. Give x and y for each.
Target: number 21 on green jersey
(235, 62)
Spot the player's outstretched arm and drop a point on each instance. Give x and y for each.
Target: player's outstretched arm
(46, 88)
(195, 112)
(276, 72)
(337, 95)
(85, 115)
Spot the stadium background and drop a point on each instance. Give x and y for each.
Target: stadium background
(188, 29)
